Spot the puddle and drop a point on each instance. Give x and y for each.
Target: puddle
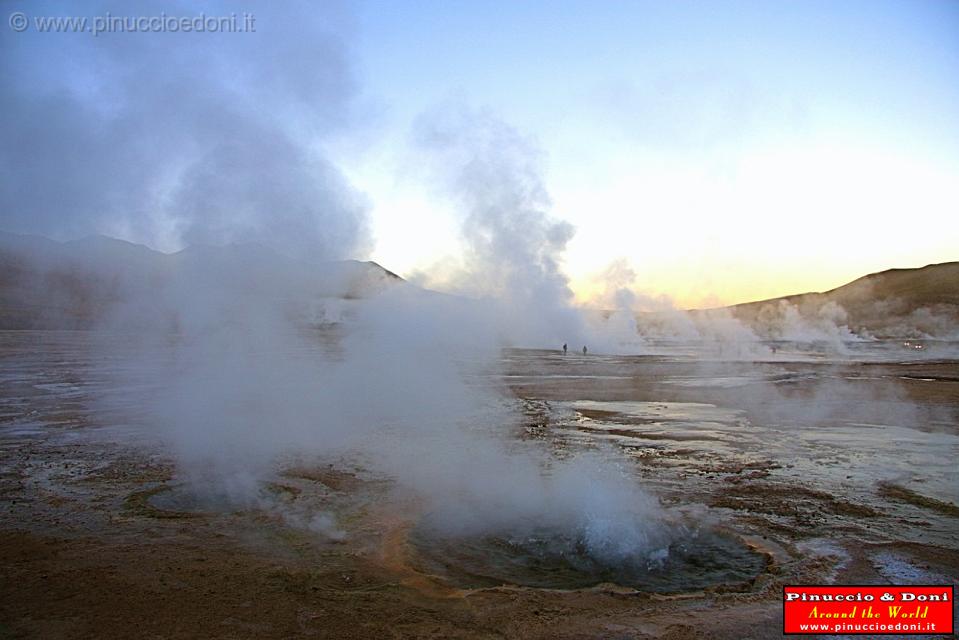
(178, 501)
(693, 412)
(546, 560)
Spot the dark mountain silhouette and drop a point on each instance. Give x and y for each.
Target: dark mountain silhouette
(896, 302)
(71, 285)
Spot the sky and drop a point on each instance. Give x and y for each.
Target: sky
(716, 152)
(727, 151)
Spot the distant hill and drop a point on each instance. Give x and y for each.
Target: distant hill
(72, 285)
(896, 302)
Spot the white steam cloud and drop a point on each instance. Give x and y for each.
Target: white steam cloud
(249, 349)
(249, 355)
(513, 248)
(181, 138)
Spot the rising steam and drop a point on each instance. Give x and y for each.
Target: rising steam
(183, 138)
(250, 347)
(513, 247)
(217, 142)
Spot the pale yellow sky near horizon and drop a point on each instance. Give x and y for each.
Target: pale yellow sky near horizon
(803, 216)
(725, 154)
(719, 152)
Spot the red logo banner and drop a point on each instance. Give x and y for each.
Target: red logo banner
(862, 609)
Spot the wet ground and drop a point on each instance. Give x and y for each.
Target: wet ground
(801, 468)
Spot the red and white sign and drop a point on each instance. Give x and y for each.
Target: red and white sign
(861, 609)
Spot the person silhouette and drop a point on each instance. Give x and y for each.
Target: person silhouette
(564, 348)
(584, 349)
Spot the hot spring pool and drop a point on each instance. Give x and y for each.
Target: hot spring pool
(694, 560)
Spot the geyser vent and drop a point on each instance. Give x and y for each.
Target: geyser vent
(551, 560)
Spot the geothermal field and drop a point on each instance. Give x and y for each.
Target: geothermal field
(664, 495)
(357, 319)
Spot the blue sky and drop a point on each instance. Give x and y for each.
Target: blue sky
(717, 151)
(726, 150)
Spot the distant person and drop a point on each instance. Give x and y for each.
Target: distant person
(584, 349)
(564, 348)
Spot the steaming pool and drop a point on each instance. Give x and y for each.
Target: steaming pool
(795, 468)
(691, 561)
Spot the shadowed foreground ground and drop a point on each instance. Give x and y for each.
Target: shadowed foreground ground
(86, 553)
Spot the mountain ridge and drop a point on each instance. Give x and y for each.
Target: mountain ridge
(45, 284)
(884, 303)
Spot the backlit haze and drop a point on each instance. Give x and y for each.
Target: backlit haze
(712, 153)
(728, 152)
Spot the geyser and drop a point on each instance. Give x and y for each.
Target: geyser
(687, 560)
(571, 524)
